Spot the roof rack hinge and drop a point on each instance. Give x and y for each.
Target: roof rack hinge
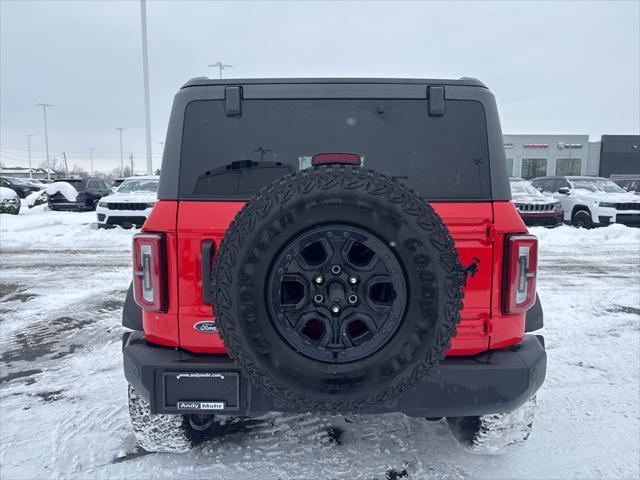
(436, 101)
(233, 97)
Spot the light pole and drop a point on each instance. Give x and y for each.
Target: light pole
(220, 66)
(46, 136)
(91, 159)
(121, 153)
(29, 135)
(145, 75)
(161, 151)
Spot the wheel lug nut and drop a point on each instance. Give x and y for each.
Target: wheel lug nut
(318, 298)
(352, 299)
(335, 269)
(335, 309)
(353, 279)
(318, 279)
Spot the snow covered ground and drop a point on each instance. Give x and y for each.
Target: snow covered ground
(63, 410)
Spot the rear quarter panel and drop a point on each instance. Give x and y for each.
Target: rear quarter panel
(162, 328)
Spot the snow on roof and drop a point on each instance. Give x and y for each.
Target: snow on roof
(142, 177)
(9, 170)
(7, 194)
(64, 188)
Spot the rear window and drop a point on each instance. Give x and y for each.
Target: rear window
(441, 157)
(140, 185)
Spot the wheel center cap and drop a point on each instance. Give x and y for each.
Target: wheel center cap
(336, 292)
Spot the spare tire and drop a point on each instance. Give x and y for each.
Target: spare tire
(337, 289)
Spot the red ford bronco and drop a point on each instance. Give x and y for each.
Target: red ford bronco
(335, 245)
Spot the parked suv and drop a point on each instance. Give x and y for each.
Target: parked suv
(310, 250)
(90, 190)
(629, 183)
(22, 186)
(591, 201)
(116, 184)
(535, 208)
(130, 205)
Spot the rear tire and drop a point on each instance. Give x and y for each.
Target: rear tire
(494, 434)
(159, 433)
(582, 219)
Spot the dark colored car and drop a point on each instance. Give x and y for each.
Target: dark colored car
(310, 249)
(90, 190)
(631, 183)
(535, 208)
(116, 183)
(22, 186)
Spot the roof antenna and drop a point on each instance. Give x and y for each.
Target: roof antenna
(262, 151)
(220, 66)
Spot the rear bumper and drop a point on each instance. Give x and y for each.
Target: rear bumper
(70, 206)
(629, 219)
(180, 382)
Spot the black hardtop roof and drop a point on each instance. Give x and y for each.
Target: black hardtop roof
(203, 81)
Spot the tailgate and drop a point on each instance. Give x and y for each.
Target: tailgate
(469, 224)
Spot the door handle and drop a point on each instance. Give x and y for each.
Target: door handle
(208, 251)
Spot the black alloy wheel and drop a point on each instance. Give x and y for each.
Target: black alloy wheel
(337, 293)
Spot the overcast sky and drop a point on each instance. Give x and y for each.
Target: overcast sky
(554, 67)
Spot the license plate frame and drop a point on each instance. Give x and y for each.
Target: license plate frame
(201, 391)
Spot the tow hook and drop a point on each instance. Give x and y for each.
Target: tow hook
(201, 422)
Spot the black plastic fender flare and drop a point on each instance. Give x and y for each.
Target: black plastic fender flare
(131, 312)
(534, 317)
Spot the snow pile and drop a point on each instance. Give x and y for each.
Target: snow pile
(566, 236)
(36, 198)
(43, 229)
(64, 188)
(7, 194)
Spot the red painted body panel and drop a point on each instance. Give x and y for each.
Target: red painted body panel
(467, 224)
(162, 328)
(197, 222)
(505, 330)
(478, 230)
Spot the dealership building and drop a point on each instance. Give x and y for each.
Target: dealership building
(531, 156)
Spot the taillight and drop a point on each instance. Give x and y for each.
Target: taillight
(333, 158)
(149, 271)
(521, 272)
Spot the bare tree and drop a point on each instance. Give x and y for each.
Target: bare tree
(78, 171)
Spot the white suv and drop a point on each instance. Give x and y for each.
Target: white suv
(591, 201)
(130, 205)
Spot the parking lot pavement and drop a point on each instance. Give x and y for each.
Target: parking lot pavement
(63, 404)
